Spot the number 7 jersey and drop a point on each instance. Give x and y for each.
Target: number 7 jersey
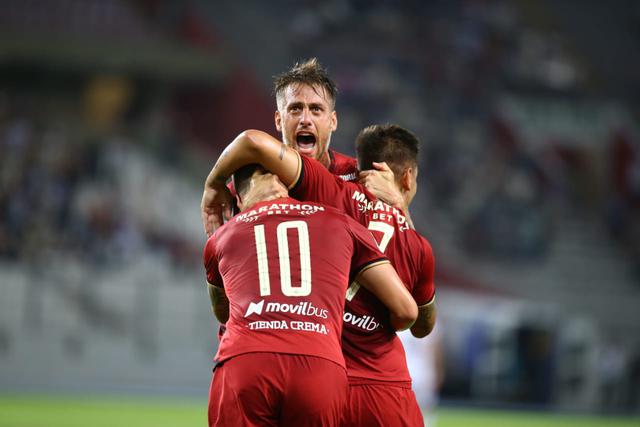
(372, 350)
(285, 266)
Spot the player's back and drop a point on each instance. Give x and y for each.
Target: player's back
(371, 348)
(285, 266)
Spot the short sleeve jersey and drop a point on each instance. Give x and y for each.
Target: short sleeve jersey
(371, 348)
(285, 266)
(341, 165)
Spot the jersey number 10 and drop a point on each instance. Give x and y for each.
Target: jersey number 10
(283, 256)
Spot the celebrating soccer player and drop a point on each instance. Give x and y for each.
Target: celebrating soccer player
(306, 118)
(278, 281)
(380, 385)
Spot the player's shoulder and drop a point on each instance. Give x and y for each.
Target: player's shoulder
(210, 247)
(220, 235)
(334, 212)
(420, 242)
(341, 158)
(343, 166)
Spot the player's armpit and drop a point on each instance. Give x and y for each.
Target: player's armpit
(383, 281)
(426, 319)
(219, 302)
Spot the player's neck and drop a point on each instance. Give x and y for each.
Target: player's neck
(407, 199)
(263, 200)
(325, 159)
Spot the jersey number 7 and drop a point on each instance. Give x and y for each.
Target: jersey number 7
(387, 233)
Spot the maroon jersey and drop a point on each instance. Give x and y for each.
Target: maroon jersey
(371, 348)
(285, 266)
(343, 166)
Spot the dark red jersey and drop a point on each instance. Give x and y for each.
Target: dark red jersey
(285, 266)
(343, 166)
(371, 348)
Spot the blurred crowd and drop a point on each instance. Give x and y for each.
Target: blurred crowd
(444, 70)
(63, 187)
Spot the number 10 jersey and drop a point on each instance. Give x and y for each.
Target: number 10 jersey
(285, 266)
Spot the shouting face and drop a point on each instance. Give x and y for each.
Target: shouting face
(306, 118)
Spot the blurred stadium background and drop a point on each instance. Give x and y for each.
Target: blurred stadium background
(113, 111)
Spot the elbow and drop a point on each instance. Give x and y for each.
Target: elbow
(421, 331)
(412, 312)
(221, 312)
(425, 323)
(252, 139)
(405, 318)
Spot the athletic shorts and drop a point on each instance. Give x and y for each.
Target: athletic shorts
(272, 389)
(382, 405)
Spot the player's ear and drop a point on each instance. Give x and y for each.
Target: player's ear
(239, 201)
(334, 120)
(406, 179)
(278, 120)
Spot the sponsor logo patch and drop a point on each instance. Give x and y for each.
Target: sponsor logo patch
(303, 308)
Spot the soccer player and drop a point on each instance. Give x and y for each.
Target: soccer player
(380, 385)
(281, 293)
(306, 118)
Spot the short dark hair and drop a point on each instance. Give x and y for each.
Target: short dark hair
(309, 72)
(242, 177)
(387, 143)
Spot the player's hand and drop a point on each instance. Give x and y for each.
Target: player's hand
(264, 187)
(215, 206)
(381, 183)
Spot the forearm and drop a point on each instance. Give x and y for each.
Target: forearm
(426, 320)
(219, 303)
(253, 146)
(383, 281)
(239, 153)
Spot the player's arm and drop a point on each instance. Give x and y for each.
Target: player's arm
(382, 280)
(424, 293)
(219, 302)
(251, 146)
(215, 284)
(426, 319)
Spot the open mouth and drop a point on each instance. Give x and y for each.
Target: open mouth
(306, 143)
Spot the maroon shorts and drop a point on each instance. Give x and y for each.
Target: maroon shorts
(382, 405)
(272, 389)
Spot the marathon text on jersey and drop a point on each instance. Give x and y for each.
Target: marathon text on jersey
(381, 210)
(279, 208)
